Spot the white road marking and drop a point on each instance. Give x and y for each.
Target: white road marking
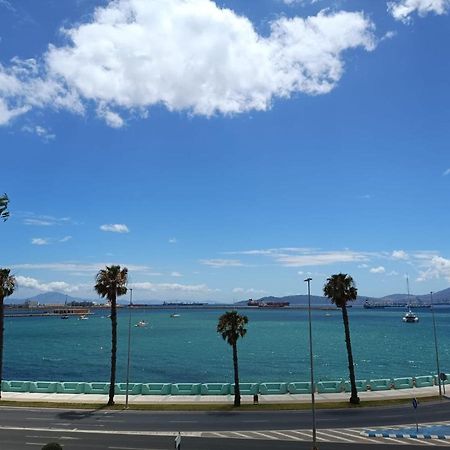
(332, 436)
(246, 436)
(289, 436)
(258, 433)
(301, 433)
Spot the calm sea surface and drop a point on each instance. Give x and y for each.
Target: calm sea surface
(188, 349)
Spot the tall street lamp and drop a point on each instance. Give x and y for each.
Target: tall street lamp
(436, 345)
(313, 406)
(129, 346)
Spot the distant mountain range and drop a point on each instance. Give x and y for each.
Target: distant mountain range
(438, 297)
(58, 298)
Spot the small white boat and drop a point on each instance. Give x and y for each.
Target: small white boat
(174, 315)
(83, 317)
(410, 317)
(141, 324)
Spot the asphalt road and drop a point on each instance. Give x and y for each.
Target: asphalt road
(31, 428)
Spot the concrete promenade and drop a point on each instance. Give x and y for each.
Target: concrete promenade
(220, 399)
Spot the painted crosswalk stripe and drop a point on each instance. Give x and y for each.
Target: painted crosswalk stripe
(308, 436)
(333, 436)
(289, 436)
(355, 436)
(258, 433)
(246, 436)
(215, 433)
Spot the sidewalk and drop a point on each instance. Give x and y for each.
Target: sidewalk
(219, 399)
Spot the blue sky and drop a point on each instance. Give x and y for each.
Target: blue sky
(226, 150)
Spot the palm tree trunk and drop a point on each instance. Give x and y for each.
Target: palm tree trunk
(2, 312)
(112, 382)
(237, 391)
(351, 369)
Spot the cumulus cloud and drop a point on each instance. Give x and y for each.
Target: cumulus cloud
(403, 9)
(379, 269)
(32, 283)
(187, 55)
(400, 255)
(239, 290)
(435, 267)
(115, 228)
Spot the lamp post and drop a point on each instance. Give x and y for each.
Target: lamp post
(129, 346)
(313, 406)
(435, 345)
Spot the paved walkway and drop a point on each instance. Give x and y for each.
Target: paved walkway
(220, 399)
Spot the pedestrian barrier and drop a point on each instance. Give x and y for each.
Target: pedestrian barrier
(329, 387)
(382, 384)
(48, 387)
(299, 387)
(185, 389)
(156, 388)
(265, 388)
(70, 387)
(361, 386)
(403, 383)
(96, 388)
(273, 388)
(133, 388)
(246, 388)
(424, 381)
(215, 389)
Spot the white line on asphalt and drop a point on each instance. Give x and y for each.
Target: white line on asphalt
(117, 432)
(258, 433)
(301, 433)
(254, 421)
(332, 436)
(356, 436)
(397, 441)
(215, 433)
(289, 436)
(246, 436)
(418, 441)
(36, 443)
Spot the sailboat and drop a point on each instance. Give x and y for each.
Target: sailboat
(409, 317)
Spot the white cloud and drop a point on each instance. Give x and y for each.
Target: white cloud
(403, 9)
(435, 267)
(40, 131)
(447, 172)
(400, 255)
(187, 55)
(39, 241)
(115, 228)
(320, 258)
(175, 287)
(45, 221)
(239, 290)
(80, 268)
(65, 239)
(221, 262)
(176, 274)
(172, 241)
(379, 269)
(32, 283)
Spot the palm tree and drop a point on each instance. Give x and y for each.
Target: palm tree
(340, 289)
(232, 326)
(111, 283)
(4, 213)
(7, 286)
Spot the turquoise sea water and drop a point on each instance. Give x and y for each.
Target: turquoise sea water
(188, 349)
